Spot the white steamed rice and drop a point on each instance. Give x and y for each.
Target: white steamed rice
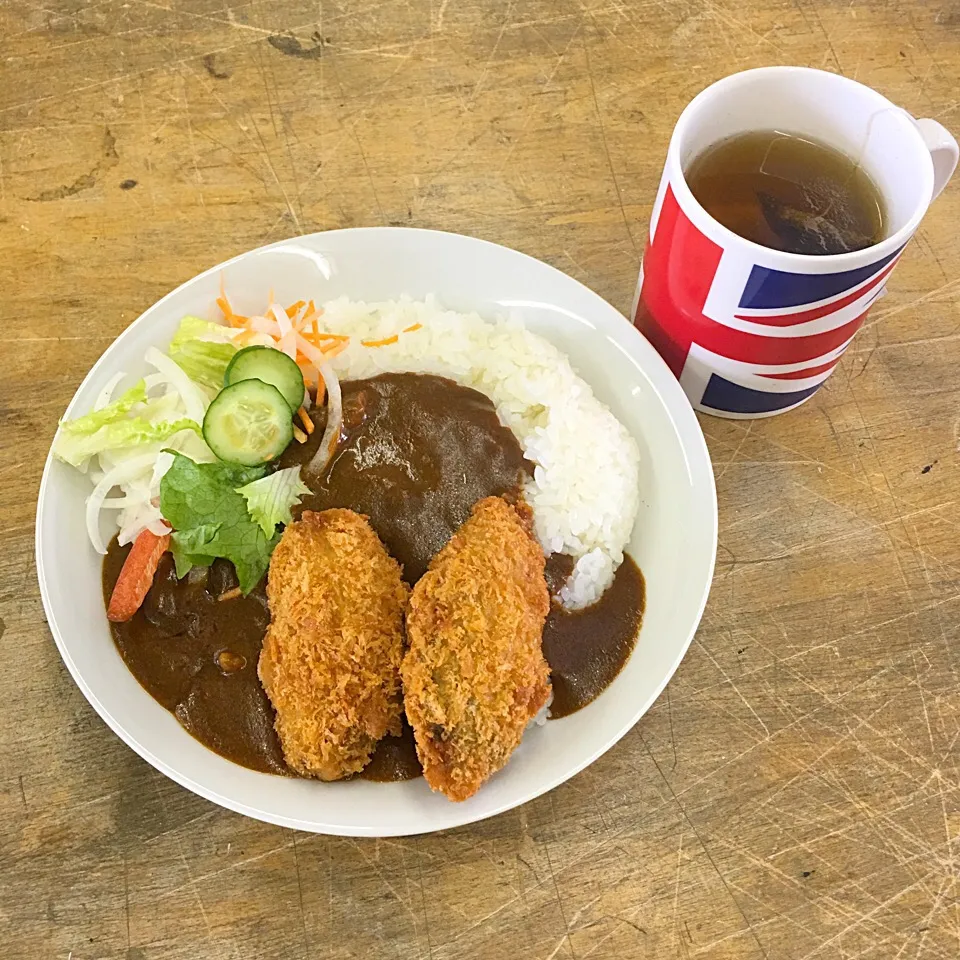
(584, 491)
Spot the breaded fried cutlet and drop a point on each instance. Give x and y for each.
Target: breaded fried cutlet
(474, 674)
(331, 656)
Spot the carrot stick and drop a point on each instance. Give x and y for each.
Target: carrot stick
(306, 421)
(136, 575)
(300, 436)
(412, 327)
(294, 309)
(386, 341)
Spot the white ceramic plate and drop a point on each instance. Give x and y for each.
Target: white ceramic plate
(674, 540)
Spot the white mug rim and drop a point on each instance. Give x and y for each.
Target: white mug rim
(767, 256)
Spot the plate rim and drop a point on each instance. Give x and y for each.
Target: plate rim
(665, 384)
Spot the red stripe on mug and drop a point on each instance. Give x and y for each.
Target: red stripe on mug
(789, 319)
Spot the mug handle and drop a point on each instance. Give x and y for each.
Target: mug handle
(943, 151)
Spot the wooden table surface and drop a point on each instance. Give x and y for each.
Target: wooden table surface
(794, 793)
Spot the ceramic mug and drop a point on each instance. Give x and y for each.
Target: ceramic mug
(750, 331)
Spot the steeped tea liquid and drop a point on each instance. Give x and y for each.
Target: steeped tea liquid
(789, 193)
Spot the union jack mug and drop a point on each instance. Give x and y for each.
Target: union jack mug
(747, 330)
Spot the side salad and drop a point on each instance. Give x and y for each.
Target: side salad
(184, 458)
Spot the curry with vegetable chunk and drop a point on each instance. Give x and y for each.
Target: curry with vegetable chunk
(333, 560)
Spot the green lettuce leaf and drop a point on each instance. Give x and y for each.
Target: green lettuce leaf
(194, 328)
(188, 547)
(74, 447)
(92, 422)
(270, 499)
(202, 350)
(201, 502)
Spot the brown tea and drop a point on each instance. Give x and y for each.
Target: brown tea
(789, 193)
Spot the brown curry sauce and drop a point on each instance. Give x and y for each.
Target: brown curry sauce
(416, 453)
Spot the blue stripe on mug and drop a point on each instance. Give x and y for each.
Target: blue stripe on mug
(730, 397)
(768, 289)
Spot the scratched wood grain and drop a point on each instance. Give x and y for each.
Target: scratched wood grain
(794, 793)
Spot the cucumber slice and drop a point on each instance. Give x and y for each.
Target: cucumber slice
(248, 422)
(271, 366)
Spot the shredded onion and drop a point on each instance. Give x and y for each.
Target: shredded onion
(263, 325)
(192, 446)
(106, 394)
(123, 473)
(193, 400)
(153, 380)
(147, 517)
(328, 442)
(163, 463)
(283, 321)
(288, 344)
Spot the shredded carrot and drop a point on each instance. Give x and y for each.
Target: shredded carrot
(386, 341)
(315, 337)
(306, 421)
(312, 378)
(303, 317)
(410, 329)
(300, 436)
(234, 319)
(227, 310)
(231, 594)
(332, 350)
